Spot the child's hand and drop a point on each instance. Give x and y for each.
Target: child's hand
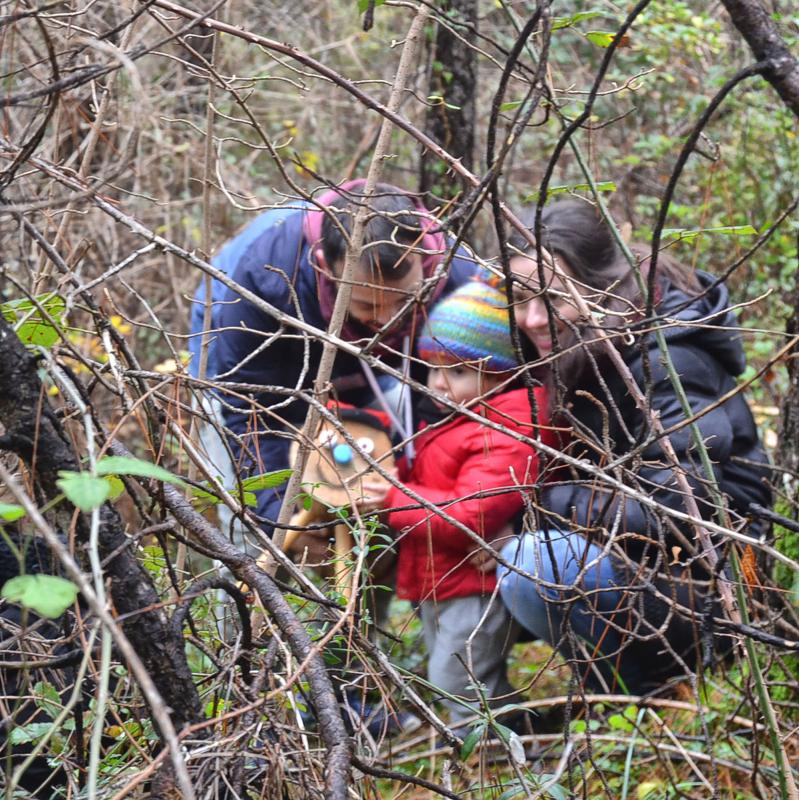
(374, 496)
(484, 561)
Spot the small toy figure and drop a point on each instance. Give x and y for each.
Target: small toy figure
(334, 475)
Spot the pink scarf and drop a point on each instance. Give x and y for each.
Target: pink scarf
(433, 243)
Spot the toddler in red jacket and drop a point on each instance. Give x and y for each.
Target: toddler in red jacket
(471, 473)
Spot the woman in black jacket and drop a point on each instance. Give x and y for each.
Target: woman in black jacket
(618, 582)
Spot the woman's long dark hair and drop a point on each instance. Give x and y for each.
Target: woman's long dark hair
(576, 232)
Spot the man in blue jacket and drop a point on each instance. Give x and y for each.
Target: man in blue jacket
(293, 258)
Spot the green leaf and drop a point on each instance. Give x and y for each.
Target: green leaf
(558, 792)
(364, 4)
(207, 498)
(126, 465)
(601, 186)
(727, 230)
(510, 105)
(52, 303)
(84, 490)
(567, 22)
(32, 732)
(38, 333)
(517, 790)
(502, 731)
(117, 487)
(470, 742)
(10, 513)
(618, 722)
(46, 697)
(210, 498)
(268, 480)
(32, 326)
(47, 595)
(600, 38)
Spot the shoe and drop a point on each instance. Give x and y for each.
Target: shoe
(377, 719)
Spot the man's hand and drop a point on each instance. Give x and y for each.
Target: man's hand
(316, 543)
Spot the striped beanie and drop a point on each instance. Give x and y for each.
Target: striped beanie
(470, 325)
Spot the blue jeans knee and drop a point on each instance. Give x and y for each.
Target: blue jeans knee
(573, 579)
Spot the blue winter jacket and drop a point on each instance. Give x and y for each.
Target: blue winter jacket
(270, 257)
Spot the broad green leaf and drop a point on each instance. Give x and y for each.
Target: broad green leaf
(727, 230)
(126, 465)
(510, 105)
(268, 480)
(600, 38)
(31, 325)
(32, 732)
(83, 490)
(38, 333)
(9, 512)
(46, 697)
(470, 742)
(566, 22)
(19, 310)
(47, 595)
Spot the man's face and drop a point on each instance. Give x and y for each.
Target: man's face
(375, 300)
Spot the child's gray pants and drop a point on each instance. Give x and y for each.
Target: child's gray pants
(479, 630)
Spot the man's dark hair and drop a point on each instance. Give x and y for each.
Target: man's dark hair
(393, 225)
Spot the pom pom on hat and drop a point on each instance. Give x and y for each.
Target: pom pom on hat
(470, 326)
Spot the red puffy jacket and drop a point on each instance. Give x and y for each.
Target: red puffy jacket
(458, 466)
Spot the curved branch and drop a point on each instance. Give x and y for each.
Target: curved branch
(760, 31)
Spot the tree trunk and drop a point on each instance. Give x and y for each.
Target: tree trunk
(34, 432)
(450, 118)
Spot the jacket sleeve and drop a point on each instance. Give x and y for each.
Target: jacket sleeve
(250, 351)
(590, 504)
(486, 466)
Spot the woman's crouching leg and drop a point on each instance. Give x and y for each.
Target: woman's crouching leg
(575, 602)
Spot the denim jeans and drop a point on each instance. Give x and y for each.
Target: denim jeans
(575, 604)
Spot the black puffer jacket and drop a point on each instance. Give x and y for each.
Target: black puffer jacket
(707, 354)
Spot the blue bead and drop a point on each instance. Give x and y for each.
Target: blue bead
(342, 454)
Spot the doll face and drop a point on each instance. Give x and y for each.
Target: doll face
(335, 468)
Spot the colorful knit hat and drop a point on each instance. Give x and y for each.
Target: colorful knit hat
(471, 326)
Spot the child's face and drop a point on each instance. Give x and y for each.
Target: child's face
(461, 383)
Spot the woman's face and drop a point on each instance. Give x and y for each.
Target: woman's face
(529, 307)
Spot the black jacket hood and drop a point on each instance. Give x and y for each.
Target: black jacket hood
(717, 325)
